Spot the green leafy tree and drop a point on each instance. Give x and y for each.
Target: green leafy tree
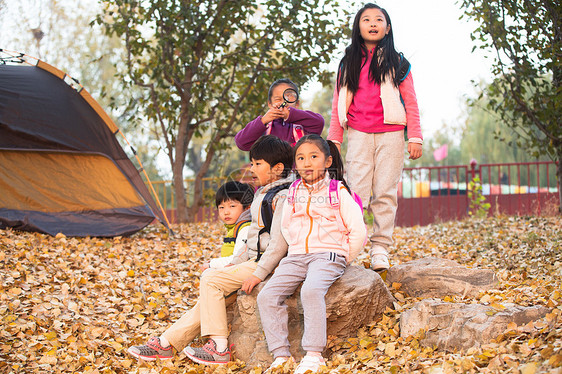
(488, 139)
(526, 37)
(206, 65)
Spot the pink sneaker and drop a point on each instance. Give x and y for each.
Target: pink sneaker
(152, 350)
(208, 354)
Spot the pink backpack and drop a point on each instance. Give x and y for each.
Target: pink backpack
(298, 132)
(333, 196)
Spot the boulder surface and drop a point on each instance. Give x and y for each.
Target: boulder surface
(451, 326)
(437, 277)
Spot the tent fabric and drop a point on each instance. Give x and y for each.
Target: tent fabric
(61, 166)
(88, 182)
(111, 222)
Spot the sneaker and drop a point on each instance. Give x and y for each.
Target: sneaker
(309, 364)
(208, 354)
(152, 350)
(379, 258)
(278, 363)
(379, 262)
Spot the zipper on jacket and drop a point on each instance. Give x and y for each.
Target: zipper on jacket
(311, 222)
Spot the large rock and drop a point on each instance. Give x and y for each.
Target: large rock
(359, 297)
(451, 326)
(437, 277)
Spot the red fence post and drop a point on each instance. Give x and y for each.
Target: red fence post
(473, 164)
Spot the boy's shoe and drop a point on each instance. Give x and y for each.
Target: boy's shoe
(379, 258)
(309, 364)
(152, 350)
(208, 354)
(277, 363)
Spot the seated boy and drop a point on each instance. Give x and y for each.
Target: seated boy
(288, 122)
(272, 160)
(233, 200)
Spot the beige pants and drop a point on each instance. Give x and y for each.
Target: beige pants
(208, 316)
(374, 165)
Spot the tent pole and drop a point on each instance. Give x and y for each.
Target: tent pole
(150, 184)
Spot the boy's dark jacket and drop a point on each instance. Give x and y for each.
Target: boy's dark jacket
(273, 244)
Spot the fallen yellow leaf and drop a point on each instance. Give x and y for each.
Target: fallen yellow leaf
(530, 368)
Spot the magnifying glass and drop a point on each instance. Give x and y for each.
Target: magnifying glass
(290, 96)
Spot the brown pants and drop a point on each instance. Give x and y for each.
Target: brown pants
(208, 316)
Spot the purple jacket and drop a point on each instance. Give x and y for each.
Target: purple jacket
(312, 123)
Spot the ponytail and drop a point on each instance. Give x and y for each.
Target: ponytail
(336, 169)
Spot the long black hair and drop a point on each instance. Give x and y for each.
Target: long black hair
(328, 148)
(385, 61)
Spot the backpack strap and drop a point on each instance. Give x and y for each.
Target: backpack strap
(298, 132)
(267, 212)
(239, 226)
(268, 127)
(334, 197)
(291, 199)
(292, 192)
(403, 68)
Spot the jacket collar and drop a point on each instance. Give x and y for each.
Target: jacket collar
(324, 182)
(289, 179)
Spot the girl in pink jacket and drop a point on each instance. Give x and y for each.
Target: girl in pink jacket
(374, 100)
(323, 226)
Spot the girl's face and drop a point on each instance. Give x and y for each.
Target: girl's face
(373, 27)
(277, 97)
(311, 163)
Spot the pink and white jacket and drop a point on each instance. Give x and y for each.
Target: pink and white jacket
(310, 224)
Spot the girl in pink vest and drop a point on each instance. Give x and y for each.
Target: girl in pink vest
(319, 250)
(374, 100)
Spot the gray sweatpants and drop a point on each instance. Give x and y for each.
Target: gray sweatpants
(318, 271)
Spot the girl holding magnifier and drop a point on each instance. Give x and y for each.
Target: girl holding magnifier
(283, 119)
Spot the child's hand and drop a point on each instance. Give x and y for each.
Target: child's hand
(275, 113)
(204, 266)
(415, 150)
(250, 283)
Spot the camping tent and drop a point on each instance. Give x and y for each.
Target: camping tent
(62, 169)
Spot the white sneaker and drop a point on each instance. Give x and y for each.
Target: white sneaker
(379, 262)
(379, 258)
(309, 364)
(277, 363)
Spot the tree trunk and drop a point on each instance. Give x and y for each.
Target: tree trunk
(559, 175)
(198, 184)
(179, 191)
(183, 138)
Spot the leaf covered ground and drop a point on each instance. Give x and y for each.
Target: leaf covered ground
(76, 304)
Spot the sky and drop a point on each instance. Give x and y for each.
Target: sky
(439, 47)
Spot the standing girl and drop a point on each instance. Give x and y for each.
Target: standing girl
(323, 237)
(374, 100)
